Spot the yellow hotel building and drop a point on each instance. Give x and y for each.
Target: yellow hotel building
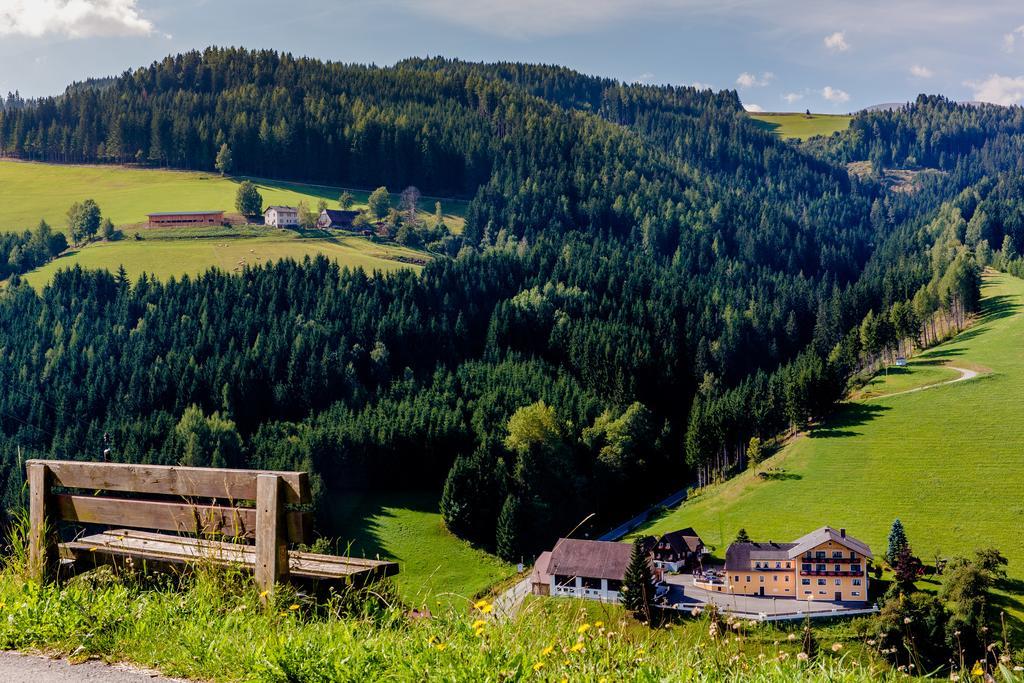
(826, 564)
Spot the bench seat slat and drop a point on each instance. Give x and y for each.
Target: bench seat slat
(198, 482)
(143, 546)
(169, 516)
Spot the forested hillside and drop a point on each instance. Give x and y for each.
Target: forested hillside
(648, 281)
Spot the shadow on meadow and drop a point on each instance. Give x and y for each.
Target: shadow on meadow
(850, 415)
(353, 519)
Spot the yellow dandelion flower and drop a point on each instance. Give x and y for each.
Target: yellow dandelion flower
(441, 647)
(294, 607)
(264, 594)
(479, 632)
(598, 624)
(478, 623)
(486, 609)
(538, 666)
(977, 670)
(577, 647)
(548, 650)
(480, 604)
(583, 628)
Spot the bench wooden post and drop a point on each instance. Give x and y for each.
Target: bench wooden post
(39, 554)
(271, 541)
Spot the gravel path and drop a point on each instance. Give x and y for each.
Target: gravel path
(16, 667)
(965, 374)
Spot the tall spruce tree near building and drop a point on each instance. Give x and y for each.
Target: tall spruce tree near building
(638, 584)
(742, 536)
(897, 541)
(225, 161)
(507, 533)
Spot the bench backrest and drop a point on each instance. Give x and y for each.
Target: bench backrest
(197, 500)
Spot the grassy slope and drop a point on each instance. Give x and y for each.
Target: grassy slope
(31, 191)
(946, 461)
(796, 125)
(920, 372)
(175, 257)
(436, 567)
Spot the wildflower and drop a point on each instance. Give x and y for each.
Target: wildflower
(480, 604)
(263, 595)
(478, 623)
(583, 628)
(548, 650)
(479, 632)
(736, 625)
(802, 656)
(1005, 659)
(486, 609)
(538, 666)
(871, 643)
(906, 620)
(577, 647)
(954, 677)
(977, 670)
(294, 607)
(441, 647)
(783, 656)
(1018, 668)
(791, 636)
(598, 624)
(836, 647)
(695, 611)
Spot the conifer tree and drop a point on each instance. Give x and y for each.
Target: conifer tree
(742, 537)
(507, 535)
(897, 541)
(638, 584)
(225, 161)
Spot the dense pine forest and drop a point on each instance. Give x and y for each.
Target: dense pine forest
(650, 286)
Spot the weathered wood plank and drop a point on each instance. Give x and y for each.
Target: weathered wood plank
(271, 545)
(145, 546)
(39, 554)
(199, 482)
(169, 516)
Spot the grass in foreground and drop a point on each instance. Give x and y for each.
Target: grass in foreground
(126, 195)
(164, 258)
(946, 461)
(800, 126)
(436, 568)
(214, 629)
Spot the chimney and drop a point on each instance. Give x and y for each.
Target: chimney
(842, 533)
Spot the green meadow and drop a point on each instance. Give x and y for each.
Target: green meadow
(801, 126)
(947, 460)
(436, 568)
(164, 258)
(35, 190)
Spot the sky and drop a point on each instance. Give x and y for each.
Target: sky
(780, 55)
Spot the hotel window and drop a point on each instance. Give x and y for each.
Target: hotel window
(839, 582)
(807, 592)
(805, 567)
(820, 554)
(821, 582)
(748, 578)
(838, 568)
(778, 565)
(855, 568)
(856, 582)
(853, 555)
(789, 565)
(775, 578)
(805, 582)
(787, 578)
(855, 594)
(837, 554)
(821, 567)
(762, 578)
(735, 579)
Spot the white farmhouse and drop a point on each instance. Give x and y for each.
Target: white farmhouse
(281, 216)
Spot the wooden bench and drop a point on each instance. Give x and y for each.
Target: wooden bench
(200, 505)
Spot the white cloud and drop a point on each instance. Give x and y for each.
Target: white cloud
(646, 77)
(1010, 39)
(835, 94)
(837, 42)
(699, 85)
(918, 71)
(998, 89)
(749, 80)
(792, 97)
(754, 108)
(72, 18)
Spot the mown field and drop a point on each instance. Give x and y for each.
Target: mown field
(164, 258)
(31, 191)
(800, 126)
(948, 461)
(436, 568)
